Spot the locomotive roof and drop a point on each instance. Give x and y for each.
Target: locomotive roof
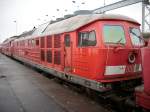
(9, 39)
(26, 34)
(35, 32)
(78, 21)
(73, 23)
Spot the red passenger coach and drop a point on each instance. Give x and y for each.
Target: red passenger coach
(6, 46)
(143, 91)
(95, 51)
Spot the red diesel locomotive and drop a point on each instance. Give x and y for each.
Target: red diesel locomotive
(93, 50)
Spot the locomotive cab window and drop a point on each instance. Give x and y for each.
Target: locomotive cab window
(135, 36)
(87, 38)
(114, 34)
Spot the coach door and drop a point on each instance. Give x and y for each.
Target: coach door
(67, 54)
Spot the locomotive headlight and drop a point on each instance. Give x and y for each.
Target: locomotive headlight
(131, 58)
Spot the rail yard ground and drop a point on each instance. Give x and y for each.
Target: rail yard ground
(23, 89)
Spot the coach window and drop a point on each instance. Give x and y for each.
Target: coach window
(26, 43)
(33, 42)
(57, 41)
(67, 40)
(42, 42)
(37, 42)
(87, 38)
(49, 41)
(29, 43)
(114, 34)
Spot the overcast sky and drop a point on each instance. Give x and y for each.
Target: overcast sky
(17, 16)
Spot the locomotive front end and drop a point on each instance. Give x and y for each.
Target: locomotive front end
(122, 42)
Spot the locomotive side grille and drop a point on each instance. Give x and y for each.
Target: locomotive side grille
(57, 43)
(49, 42)
(42, 42)
(49, 56)
(57, 57)
(42, 55)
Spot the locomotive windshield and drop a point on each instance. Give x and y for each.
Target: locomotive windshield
(135, 36)
(114, 34)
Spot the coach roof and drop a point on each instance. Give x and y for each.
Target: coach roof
(40, 29)
(78, 21)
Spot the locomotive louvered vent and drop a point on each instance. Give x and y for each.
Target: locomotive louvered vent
(49, 42)
(42, 55)
(49, 56)
(57, 43)
(42, 42)
(57, 57)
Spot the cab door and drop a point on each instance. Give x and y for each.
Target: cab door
(67, 53)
